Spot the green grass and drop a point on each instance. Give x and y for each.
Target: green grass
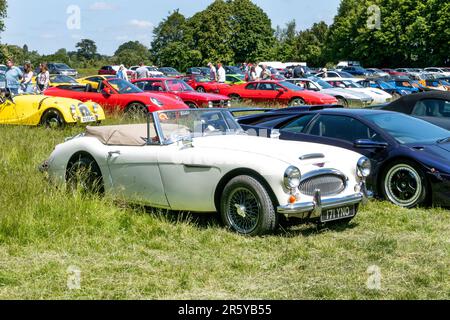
(127, 252)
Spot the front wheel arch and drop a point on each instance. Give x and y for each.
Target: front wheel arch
(240, 172)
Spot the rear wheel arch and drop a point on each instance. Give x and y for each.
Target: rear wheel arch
(242, 172)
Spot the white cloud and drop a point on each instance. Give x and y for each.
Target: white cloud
(48, 36)
(102, 6)
(141, 24)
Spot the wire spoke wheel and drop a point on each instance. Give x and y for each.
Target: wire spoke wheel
(243, 210)
(84, 176)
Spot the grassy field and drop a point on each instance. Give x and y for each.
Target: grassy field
(126, 252)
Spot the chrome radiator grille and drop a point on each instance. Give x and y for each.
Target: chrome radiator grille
(328, 184)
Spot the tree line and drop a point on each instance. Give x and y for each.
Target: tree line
(405, 33)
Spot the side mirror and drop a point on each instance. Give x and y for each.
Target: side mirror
(107, 91)
(369, 144)
(281, 90)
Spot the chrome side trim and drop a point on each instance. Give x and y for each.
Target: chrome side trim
(312, 156)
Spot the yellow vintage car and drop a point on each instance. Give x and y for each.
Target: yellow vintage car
(53, 112)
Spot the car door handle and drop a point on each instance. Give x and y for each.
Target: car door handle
(113, 153)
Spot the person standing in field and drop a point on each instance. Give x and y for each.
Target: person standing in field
(122, 73)
(13, 76)
(221, 74)
(212, 72)
(142, 72)
(43, 78)
(27, 85)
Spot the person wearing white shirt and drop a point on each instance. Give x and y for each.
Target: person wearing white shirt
(258, 71)
(221, 74)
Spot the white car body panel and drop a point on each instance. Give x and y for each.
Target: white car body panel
(185, 178)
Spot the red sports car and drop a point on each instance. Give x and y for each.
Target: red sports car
(395, 73)
(112, 71)
(277, 91)
(113, 94)
(202, 84)
(178, 88)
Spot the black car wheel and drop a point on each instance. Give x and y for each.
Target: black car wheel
(342, 102)
(247, 208)
(201, 89)
(85, 175)
(235, 98)
(404, 184)
(297, 102)
(53, 119)
(191, 105)
(136, 110)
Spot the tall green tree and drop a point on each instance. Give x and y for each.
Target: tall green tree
(132, 53)
(87, 49)
(3, 14)
(252, 36)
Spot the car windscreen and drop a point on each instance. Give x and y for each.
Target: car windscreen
(385, 85)
(178, 85)
(406, 129)
(178, 125)
(291, 86)
(124, 87)
(323, 84)
(61, 66)
(62, 79)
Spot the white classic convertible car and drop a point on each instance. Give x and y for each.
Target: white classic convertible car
(202, 161)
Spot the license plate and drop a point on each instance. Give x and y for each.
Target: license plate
(338, 213)
(88, 119)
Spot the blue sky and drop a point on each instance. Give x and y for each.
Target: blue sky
(42, 25)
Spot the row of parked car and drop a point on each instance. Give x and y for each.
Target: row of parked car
(337, 159)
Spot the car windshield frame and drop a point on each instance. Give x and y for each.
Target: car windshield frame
(187, 88)
(179, 126)
(290, 86)
(114, 83)
(61, 66)
(416, 130)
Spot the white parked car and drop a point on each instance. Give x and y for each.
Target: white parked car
(153, 71)
(202, 161)
(345, 97)
(438, 71)
(379, 96)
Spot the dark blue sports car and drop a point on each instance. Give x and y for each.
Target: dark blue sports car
(410, 157)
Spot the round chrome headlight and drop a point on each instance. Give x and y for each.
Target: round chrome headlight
(364, 167)
(292, 177)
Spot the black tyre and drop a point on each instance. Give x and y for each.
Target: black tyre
(297, 102)
(246, 207)
(235, 98)
(136, 110)
(84, 174)
(342, 102)
(404, 184)
(53, 119)
(191, 105)
(201, 89)
(396, 96)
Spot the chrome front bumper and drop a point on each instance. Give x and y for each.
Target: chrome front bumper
(314, 209)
